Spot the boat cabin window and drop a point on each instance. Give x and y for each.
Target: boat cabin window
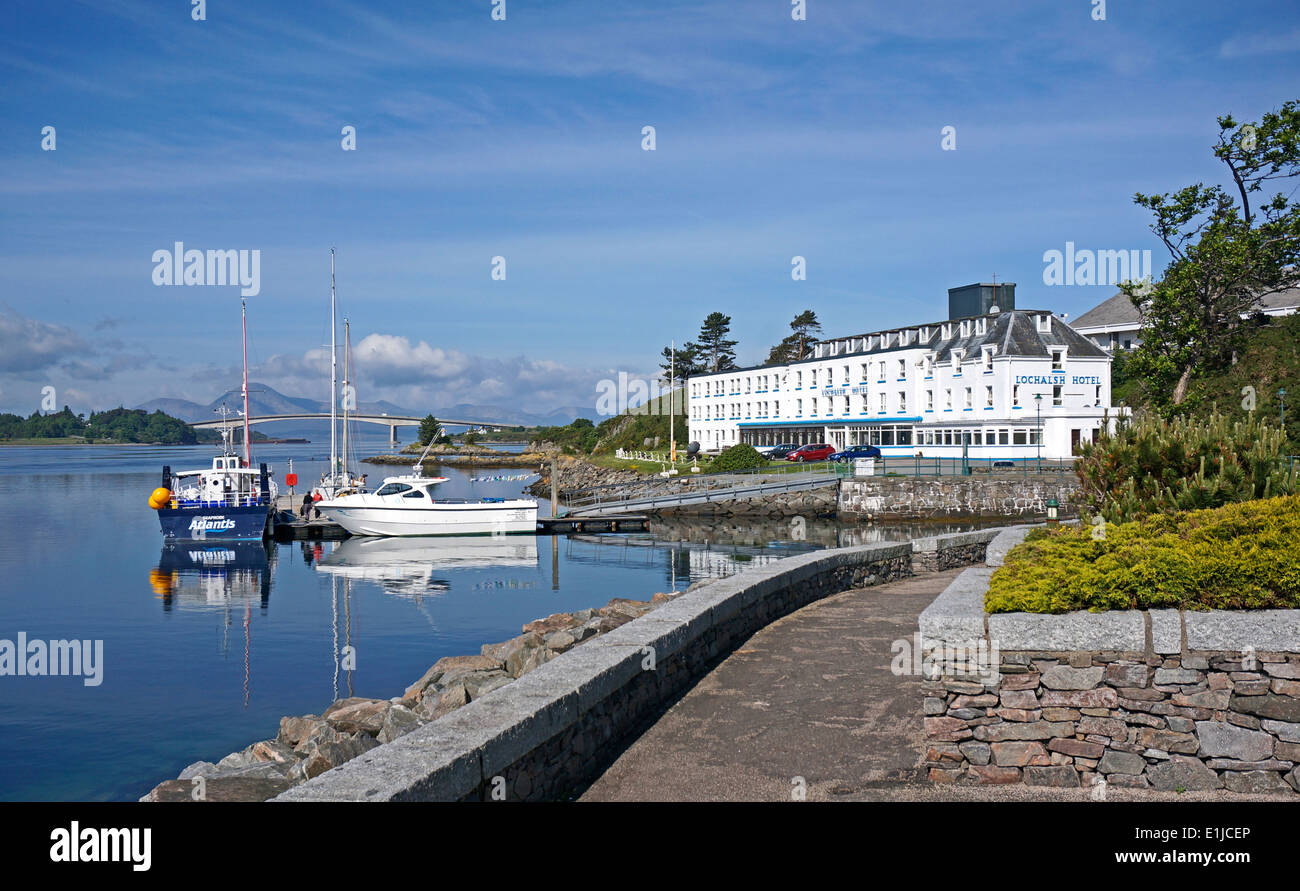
(393, 489)
(414, 493)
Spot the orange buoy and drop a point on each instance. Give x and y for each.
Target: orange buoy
(160, 498)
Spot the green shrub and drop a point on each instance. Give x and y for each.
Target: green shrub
(1241, 556)
(741, 456)
(1152, 465)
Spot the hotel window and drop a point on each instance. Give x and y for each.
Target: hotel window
(1003, 435)
(988, 360)
(847, 410)
(1033, 437)
(882, 403)
(798, 379)
(881, 379)
(929, 366)
(846, 375)
(748, 381)
(978, 438)
(812, 378)
(866, 370)
(1015, 394)
(902, 401)
(947, 399)
(865, 406)
(946, 331)
(1044, 324)
(957, 356)
(988, 397)
(813, 403)
(929, 400)
(1020, 437)
(798, 408)
(1097, 397)
(1058, 357)
(968, 398)
(1056, 395)
(902, 369)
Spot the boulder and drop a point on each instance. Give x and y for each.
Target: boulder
(553, 622)
(274, 750)
(198, 769)
(355, 714)
(433, 707)
(294, 730)
(398, 721)
(227, 788)
(481, 683)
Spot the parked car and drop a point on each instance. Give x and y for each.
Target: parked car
(780, 451)
(999, 464)
(818, 452)
(856, 451)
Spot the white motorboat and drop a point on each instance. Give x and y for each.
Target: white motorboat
(405, 505)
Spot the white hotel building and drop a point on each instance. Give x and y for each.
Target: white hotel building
(991, 382)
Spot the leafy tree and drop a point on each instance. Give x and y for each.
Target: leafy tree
(716, 351)
(800, 343)
(1229, 246)
(430, 429)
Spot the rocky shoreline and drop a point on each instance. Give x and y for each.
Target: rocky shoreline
(308, 745)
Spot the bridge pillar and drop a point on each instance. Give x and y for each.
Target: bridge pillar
(392, 434)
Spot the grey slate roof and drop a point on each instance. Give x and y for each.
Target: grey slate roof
(1119, 310)
(1015, 333)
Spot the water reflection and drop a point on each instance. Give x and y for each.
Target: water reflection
(218, 577)
(198, 575)
(413, 567)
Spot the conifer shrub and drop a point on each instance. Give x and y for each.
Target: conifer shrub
(1151, 465)
(1244, 555)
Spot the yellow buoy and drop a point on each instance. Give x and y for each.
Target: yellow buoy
(160, 498)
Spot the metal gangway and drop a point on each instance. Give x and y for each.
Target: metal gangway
(701, 489)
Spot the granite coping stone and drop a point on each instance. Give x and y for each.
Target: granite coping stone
(1005, 540)
(1081, 630)
(956, 616)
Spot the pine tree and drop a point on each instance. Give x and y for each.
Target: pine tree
(716, 351)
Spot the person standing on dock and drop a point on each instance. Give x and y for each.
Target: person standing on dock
(306, 506)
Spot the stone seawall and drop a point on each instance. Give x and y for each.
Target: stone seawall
(546, 734)
(1191, 722)
(1162, 699)
(936, 498)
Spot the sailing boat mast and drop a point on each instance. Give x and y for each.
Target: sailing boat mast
(334, 457)
(243, 313)
(347, 393)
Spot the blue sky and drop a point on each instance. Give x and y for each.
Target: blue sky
(522, 138)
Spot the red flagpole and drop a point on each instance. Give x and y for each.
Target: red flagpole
(248, 456)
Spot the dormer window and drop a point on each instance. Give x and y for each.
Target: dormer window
(988, 357)
(965, 329)
(946, 331)
(1044, 323)
(981, 326)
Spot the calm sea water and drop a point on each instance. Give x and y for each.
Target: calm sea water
(205, 647)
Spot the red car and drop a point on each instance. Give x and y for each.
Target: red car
(818, 452)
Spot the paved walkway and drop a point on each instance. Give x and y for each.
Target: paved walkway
(812, 696)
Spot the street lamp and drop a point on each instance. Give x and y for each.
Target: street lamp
(1052, 511)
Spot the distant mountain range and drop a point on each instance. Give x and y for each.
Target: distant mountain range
(266, 400)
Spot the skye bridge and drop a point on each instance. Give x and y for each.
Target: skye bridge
(393, 421)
